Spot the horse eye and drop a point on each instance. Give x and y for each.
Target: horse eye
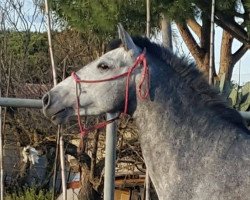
(103, 66)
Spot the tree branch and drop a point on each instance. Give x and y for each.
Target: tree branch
(232, 27)
(192, 45)
(94, 154)
(239, 53)
(227, 23)
(246, 16)
(196, 28)
(240, 15)
(205, 33)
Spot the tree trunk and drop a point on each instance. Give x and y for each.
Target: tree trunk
(205, 65)
(87, 192)
(226, 66)
(205, 44)
(166, 32)
(192, 45)
(199, 52)
(227, 58)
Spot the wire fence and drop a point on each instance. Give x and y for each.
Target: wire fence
(19, 174)
(23, 131)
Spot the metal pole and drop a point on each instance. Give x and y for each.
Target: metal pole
(1, 157)
(1, 142)
(110, 156)
(50, 42)
(55, 164)
(148, 36)
(148, 18)
(211, 59)
(1, 153)
(239, 72)
(147, 186)
(62, 162)
(1, 137)
(20, 103)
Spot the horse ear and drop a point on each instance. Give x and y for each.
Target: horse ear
(127, 40)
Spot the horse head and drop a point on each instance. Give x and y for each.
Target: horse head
(95, 97)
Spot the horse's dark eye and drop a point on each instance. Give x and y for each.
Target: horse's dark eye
(103, 66)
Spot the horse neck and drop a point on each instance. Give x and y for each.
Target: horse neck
(173, 128)
(172, 114)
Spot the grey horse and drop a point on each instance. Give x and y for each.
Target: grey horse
(194, 145)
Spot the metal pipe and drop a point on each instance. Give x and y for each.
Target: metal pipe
(20, 103)
(110, 156)
(37, 103)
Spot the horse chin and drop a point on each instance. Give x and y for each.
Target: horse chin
(62, 116)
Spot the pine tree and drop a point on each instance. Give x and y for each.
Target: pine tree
(102, 16)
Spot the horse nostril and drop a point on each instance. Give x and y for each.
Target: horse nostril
(46, 100)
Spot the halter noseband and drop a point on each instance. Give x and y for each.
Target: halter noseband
(141, 59)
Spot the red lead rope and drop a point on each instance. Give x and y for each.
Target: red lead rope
(141, 59)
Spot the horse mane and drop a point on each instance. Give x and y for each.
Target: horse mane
(209, 96)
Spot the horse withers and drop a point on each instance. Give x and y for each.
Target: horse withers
(194, 145)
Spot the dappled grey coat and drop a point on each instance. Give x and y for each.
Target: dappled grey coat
(194, 145)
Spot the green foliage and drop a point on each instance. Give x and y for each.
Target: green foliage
(183, 9)
(239, 97)
(27, 53)
(32, 42)
(15, 43)
(247, 8)
(81, 14)
(101, 17)
(29, 194)
(245, 97)
(178, 10)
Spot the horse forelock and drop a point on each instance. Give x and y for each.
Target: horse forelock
(190, 75)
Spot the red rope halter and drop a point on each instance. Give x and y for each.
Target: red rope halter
(141, 59)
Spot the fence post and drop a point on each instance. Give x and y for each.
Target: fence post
(1, 155)
(62, 162)
(110, 157)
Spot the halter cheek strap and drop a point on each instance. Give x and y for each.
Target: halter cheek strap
(143, 94)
